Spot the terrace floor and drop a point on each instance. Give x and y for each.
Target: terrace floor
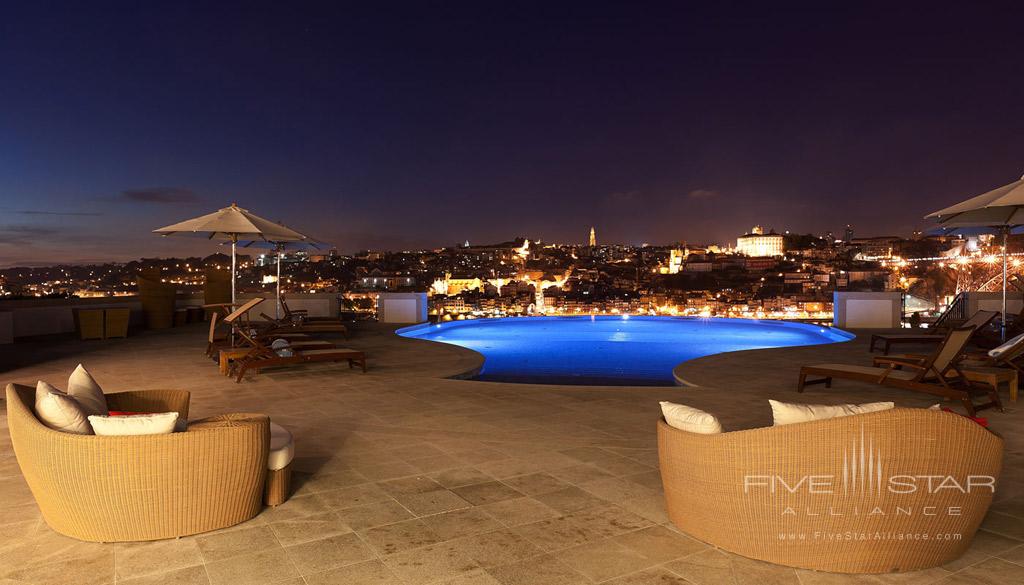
(406, 478)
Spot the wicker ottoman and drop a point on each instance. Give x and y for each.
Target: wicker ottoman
(279, 466)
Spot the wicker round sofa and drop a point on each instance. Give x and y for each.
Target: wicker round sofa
(849, 495)
(113, 489)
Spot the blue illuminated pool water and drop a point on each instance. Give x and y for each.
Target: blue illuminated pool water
(613, 350)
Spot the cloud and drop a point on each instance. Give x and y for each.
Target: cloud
(24, 235)
(57, 213)
(702, 194)
(160, 195)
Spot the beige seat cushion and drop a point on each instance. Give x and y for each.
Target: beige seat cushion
(59, 411)
(690, 419)
(282, 447)
(162, 423)
(785, 413)
(83, 388)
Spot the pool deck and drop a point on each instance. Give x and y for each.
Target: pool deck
(407, 477)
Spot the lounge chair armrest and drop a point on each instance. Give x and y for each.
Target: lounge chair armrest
(150, 401)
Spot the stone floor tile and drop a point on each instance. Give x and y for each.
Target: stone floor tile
(501, 547)
(432, 502)
(520, 511)
(142, 558)
(321, 555)
(376, 514)
(460, 476)
(603, 560)
(188, 576)
(535, 483)
(268, 567)
(461, 523)
(571, 499)
(431, 563)
(393, 538)
(350, 497)
(660, 544)
(306, 528)
(486, 492)
(369, 573)
(656, 576)
(994, 571)
(223, 545)
(542, 570)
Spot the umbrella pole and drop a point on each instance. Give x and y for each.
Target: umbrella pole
(277, 307)
(234, 244)
(1002, 325)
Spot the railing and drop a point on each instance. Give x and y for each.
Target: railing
(955, 313)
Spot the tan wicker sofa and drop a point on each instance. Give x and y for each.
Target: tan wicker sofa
(776, 493)
(112, 489)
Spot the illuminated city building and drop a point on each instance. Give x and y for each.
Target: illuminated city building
(593, 237)
(676, 257)
(759, 244)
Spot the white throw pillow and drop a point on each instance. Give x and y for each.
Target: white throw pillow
(83, 388)
(59, 411)
(687, 418)
(135, 424)
(787, 414)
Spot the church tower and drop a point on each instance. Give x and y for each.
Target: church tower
(593, 237)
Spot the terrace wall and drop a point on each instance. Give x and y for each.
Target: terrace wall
(36, 317)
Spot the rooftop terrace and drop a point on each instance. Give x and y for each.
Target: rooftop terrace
(407, 477)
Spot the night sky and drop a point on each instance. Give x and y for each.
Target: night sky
(400, 127)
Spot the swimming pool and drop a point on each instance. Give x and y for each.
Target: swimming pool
(610, 350)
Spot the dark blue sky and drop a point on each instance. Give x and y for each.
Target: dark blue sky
(424, 125)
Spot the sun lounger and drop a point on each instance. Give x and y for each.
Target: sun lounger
(979, 321)
(265, 357)
(938, 374)
(215, 342)
(993, 367)
(272, 325)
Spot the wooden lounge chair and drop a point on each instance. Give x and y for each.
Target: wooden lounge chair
(303, 326)
(261, 356)
(992, 367)
(938, 375)
(215, 342)
(230, 319)
(979, 321)
(303, 314)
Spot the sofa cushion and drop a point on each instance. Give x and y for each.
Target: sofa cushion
(785, 413)
(60, 412)
(83, 388)
(282, 447)
(687, 418)
(134, 424)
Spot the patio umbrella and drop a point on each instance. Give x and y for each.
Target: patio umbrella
(280, 248)
(1000, 209)
(233, 223)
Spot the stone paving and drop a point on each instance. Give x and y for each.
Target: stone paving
(406, 477)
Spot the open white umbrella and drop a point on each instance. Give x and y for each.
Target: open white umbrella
(280, 248)
(233, 223)
(1000, 209)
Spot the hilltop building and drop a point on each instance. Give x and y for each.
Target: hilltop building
(759, 244)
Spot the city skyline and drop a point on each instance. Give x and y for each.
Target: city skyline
(420, 127)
